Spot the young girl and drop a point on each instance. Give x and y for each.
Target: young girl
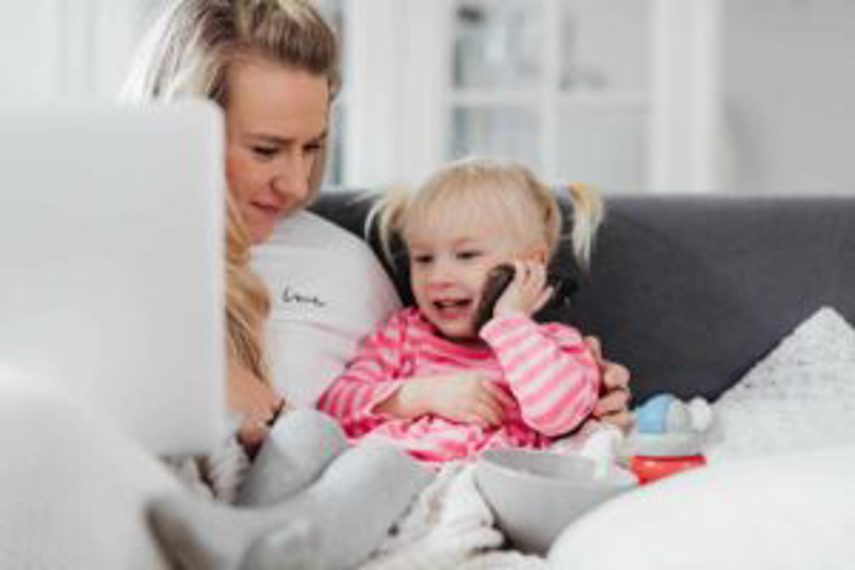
(427, 379)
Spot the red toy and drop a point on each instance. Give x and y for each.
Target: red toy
(668, 437)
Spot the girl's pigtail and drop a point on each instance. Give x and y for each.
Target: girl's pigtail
(587, 215)
(388, 213)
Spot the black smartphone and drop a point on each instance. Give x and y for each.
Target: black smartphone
(498, 280)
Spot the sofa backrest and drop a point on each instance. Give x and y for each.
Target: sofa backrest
(690, 291)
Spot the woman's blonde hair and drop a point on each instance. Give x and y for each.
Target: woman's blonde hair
(506, 192)
(188, 53)
(247, 301)
(189, 49)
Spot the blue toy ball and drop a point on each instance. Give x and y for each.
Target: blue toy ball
(666, 426)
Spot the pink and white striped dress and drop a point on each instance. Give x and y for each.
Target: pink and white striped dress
(548, 370)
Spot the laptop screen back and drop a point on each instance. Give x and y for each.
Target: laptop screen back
(111, 264)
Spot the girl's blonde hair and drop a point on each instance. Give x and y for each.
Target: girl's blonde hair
(505, 192)
(188, 53)
(189, 49)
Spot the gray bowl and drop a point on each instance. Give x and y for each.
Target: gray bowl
(536, 494)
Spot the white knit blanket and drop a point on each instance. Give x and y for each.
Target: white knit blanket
(451, 527)
(800, 396)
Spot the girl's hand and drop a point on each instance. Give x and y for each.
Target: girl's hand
(527, 293)
(466, 397)
(256, 400)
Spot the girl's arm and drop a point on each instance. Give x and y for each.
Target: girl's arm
(371, 377)
(551, 370)
(375, 388)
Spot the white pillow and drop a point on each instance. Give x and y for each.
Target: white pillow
(779, 512)
(799, 397)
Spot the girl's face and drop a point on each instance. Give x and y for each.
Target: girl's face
(276, 127)
(448, 268)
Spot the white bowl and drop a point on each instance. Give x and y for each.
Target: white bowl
(536, 494)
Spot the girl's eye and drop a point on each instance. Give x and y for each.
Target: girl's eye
(422, 259)
(469, 255)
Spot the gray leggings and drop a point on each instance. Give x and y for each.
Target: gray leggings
(308, 501)
(297, 450)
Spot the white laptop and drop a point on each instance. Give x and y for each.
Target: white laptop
(111, 264)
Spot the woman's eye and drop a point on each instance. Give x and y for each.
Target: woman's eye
(466, 255)
(264, 151)
(313, 148)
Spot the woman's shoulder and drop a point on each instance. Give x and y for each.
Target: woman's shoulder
(305, 229)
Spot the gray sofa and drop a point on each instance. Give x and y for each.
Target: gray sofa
(690, 291)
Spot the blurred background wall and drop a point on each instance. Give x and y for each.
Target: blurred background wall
(789, 91)
(747, 96)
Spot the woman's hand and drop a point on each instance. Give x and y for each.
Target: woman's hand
(247, 395)
(466, 397)
(527, 292)
(615, 394)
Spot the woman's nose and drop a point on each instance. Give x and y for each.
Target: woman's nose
(292, 179)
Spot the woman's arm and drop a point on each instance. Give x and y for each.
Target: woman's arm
(255, 401)
(612, 407)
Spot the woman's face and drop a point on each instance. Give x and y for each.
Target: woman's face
(276, 127)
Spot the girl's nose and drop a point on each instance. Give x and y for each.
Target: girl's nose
(440, 275)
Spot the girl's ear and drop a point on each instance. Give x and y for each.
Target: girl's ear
(539, 253)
